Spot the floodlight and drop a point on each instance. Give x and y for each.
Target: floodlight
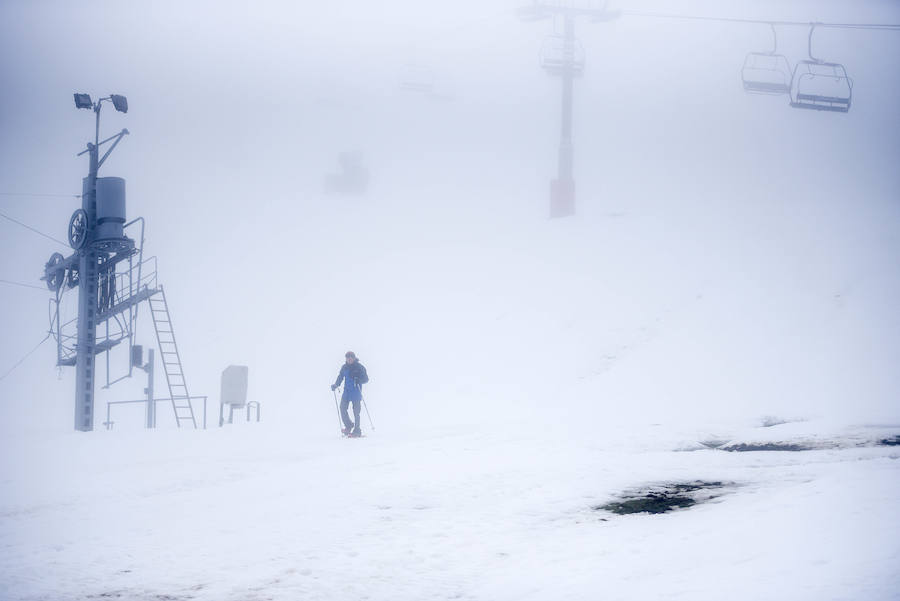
(83, 101)
(120, 102)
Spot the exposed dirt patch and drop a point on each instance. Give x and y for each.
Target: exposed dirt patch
(663, 497)
(130, 594)
(766, 446)
(890, 442)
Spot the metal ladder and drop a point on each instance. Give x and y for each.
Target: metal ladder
(171, 360)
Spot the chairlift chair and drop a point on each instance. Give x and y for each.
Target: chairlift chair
(767, 72)
(820, 85)
(556, 56)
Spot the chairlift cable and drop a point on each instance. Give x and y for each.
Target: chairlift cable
(22, 360)
(11, 283)
(870, 26)
(4, 215)
(36, 194)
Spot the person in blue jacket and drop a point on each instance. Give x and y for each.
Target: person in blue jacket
(353, 375)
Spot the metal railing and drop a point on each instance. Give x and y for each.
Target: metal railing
(250, 405)
(109, 423)
(129, 284)
(141, 276)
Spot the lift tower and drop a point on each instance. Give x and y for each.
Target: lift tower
(108, 297)
(563, 56)
(99, 243)
(85, 231)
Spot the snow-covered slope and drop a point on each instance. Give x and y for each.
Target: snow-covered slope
(478, 512)
(523, 373)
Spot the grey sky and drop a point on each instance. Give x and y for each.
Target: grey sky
(238, 109)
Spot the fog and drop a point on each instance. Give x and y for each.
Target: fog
(447, 278)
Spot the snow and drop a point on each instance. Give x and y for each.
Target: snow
(464, 512)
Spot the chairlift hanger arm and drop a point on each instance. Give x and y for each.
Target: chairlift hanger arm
(812, 28)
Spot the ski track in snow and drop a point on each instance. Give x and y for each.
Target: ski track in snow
(466, 513)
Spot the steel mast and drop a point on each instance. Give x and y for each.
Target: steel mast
(563, 56)
(94, 239)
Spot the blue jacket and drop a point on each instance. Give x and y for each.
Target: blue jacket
(355, 376)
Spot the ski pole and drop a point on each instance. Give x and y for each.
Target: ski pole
(336, 408)
(363, 399)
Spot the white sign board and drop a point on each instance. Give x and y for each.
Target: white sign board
(234, 385)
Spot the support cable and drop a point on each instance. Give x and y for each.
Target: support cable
(22, 360)
(870, 26)
(11, 283)
(4, 215)
(36, 194)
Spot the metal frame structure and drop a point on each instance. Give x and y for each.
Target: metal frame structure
(92, 268)
(235, 382)
(170, 358)
(563, 56)
(109, 423)
(808, 77)
(558, 54)
(108, 297)
(250, 405)
(117, 300)
(820, 85)
(767, 72)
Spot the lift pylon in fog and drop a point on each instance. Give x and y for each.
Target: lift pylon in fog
(563, 56)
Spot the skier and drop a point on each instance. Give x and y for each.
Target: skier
(354, 375)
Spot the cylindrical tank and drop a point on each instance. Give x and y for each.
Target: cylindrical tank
(110, 208)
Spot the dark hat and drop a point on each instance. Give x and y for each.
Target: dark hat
(350, 354)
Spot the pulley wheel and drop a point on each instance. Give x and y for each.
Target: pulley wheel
(78, 229)
(54, 274)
